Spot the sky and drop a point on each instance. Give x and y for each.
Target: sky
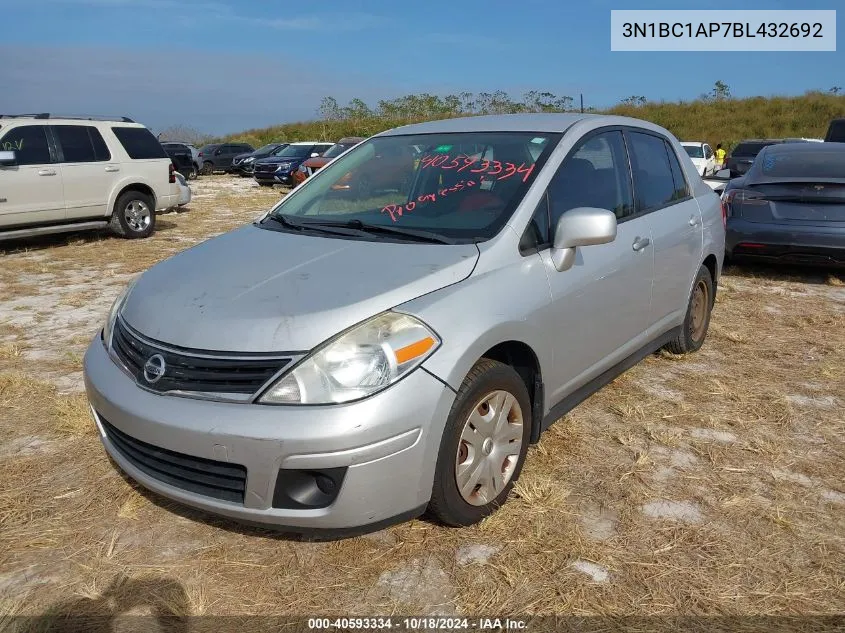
(223, 66)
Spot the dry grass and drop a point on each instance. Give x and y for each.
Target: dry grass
(708, 484)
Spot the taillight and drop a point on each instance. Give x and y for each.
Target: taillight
(724, 215)
(172, 173)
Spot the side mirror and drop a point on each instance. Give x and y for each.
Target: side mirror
(217, 152)
(8, 158)
(582, 226)
(723, 173)
(315, 154)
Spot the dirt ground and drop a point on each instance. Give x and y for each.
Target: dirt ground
(710, 484)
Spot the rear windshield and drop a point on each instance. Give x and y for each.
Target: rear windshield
(139, 142)
(821, 163)
(836, 132)
(749, 149)
(694, 151)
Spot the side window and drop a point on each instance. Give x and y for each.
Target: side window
(681, 187)
(596, 175)
(29, 142)
(652, 174)
(537, 233)
(139, 142)
(81, 143)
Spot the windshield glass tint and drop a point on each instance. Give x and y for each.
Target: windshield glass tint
(748, 149)
(819, 163)
(266, 149)
(694, 151)
(293, 151)
(461, 186)
(335, 150)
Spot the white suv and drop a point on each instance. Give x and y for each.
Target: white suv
(69, 174)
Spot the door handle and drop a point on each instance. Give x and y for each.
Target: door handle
(640, 243)
(112, 168)
(46, 172)
(693, 221)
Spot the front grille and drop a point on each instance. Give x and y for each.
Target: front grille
(207, 477)
(193, 370)
(268, 169)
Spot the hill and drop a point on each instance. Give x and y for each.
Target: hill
(714, 119)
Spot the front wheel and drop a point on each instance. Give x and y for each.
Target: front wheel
(483, 446)
(191, 173)
(207, 168)
(697, 320)
(133, 216)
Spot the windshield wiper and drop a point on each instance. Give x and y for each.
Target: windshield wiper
(418, 235)
(284, 222)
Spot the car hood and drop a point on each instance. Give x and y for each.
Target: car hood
(277, 159)
(244, 155)
(255, 290)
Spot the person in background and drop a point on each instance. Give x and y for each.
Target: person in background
(720, 157)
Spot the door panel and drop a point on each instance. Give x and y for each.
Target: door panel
(87, 173)
(31, 191)
(601, 306)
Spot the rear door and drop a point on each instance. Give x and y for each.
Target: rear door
(600, 307)
(663, 196)
(87, 171)
(31, 190)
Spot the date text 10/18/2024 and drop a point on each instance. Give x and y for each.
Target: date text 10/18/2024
(417, 624)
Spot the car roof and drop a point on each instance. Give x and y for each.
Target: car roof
(761, 140)
(311, 143)
(789, 148)
(693, 143)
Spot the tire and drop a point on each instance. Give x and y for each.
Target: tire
(133, 216)
(207, 168)
(484, 387)
(191, 173)
(697, 319)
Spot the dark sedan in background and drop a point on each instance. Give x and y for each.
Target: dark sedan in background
(243, 163)
(279, 167)
(743, 155)
(790, 206)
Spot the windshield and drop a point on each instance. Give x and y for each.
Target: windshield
(294, 151)
(460, 186)
(336, 150)
(694, 151)
(824, 163)
(266, 149)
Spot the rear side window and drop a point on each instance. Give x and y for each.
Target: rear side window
(652, 173)
(139, 142)
(596, 175)
(81, 143)
(29, 142)
(681, 187)
(836, 132)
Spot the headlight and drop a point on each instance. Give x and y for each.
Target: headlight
(357, 364)
(108, 328)
(249, 160)
(283, 166)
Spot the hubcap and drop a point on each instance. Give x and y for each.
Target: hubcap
(698, 310)
(137, 215)
(489, 448)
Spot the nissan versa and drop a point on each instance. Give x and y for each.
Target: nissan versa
(361, 354)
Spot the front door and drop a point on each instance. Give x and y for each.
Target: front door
(600, 307)
(31, 190)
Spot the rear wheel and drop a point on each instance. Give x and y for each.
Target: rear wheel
(133, 216)
(191, 173)
(207, 168)
(697, 320)
(483, 445)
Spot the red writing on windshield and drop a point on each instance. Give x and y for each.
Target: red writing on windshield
(489, 167)
(396, 210)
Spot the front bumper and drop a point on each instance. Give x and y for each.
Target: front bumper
(244, 169)
(785, 243)
(388, 444)
(277, 177)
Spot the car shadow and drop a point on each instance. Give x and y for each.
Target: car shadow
(806, 274)
(58, 240)
(244, 528)
(124, 603)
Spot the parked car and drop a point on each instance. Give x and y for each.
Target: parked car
(312, 165)
(281, 165)
(836, 131)
(243, 163)
(219, 156)
(701, 155)
(743, 155)
(182, 159)
(60, 174)
(790, 206)
(195, 153)
(408, 384)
